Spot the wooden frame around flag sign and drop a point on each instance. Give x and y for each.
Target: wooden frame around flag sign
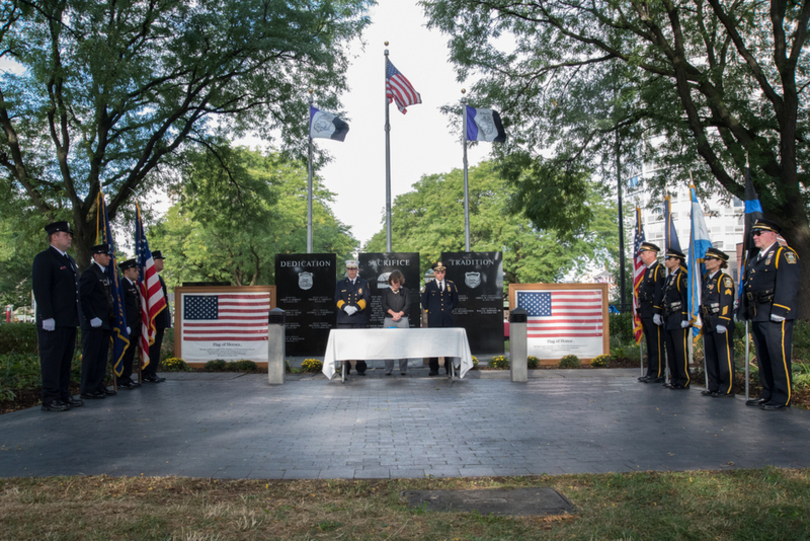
(237, 350)
(585, 348)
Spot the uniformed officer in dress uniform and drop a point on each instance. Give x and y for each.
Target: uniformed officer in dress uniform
(676, 320)
(163, 321)
(96, 302)
(132, 301)
(55, 279)
(771, 282)
(650, 311)
(353, 301)
(439, 298)
(716, 312)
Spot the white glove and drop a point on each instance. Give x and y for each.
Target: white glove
(95, 323)
(350, 310)
(684, 324)
(658, 320)
(49, 324)
(721, 329)
(129, 331)
(778, 319)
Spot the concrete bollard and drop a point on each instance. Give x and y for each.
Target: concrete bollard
(276, 347)
(518, 348)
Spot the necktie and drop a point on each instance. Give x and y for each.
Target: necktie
(441, 285)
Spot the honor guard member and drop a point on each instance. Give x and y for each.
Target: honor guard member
(353, 299)
(676, 320)
(55, 279)
(96, 302)
(716, 312)
(132, 301)
(163, 321)
(770, 286)
(651, 309)
(439, 298)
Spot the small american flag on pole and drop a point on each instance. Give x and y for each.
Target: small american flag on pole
(399, 89)
(638, 274)
(236, 317)
(563, 314)
(152, 300)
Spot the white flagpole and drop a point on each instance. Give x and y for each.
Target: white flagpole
(387, 168)
(309, 181)
(466, 178)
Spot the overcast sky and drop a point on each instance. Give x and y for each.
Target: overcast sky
(421, 140)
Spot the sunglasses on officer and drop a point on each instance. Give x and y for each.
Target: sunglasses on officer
(709, 258)
(757, 232)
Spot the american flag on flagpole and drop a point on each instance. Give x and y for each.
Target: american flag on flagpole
(399, 89)
(238, 317)
(563, 313)
(152, 299)
(638, 274)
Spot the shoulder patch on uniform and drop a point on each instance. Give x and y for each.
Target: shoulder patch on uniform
(790, 257)
(727, 282)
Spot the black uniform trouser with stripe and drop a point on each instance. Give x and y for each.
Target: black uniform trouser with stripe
(719, 352)
(95, 354)
(129, 357)
(154, 355)
(654, 335)
(55, 355)
(678, 356)
(773, 342)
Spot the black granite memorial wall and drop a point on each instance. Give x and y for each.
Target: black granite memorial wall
(376, 267)
(479, 277)
(305, 288)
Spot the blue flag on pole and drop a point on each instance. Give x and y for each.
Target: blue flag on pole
(698, 244)
(120, 336)
(323, 125)
(484, 125)
(670, 235)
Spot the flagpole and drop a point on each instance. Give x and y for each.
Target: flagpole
(387, 168)
(466, 178)
(309, 181)
(739, 286)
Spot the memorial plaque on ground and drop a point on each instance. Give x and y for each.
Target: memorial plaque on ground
(496, 501)
(479, 277)
(305, 284)
(376, 268)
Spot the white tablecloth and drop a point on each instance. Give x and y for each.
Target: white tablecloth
(368, 344)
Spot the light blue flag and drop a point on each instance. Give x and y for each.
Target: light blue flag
(698, 244)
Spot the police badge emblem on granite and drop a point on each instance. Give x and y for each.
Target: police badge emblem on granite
(305, 280)
(472, 279)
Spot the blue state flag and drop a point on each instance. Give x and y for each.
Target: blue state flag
(698, 244)
(120, 336)
(484, 125)
(670, 235)
(323, 125)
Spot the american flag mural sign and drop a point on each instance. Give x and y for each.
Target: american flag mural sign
(228, 323)
(564, 319)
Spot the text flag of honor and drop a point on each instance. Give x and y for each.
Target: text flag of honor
(563, 314)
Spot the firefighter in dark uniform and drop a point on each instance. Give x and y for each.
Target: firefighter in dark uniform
(676, 320)
(163, 321)
(132, 301)
(353, 299)
(650, 311)
(55, 279)
(439, 298)
(716, 312)
(95, 299)
(771, 282)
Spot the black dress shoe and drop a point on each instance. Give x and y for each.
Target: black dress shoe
(723, 395)
(654, 380)
(126, 385)
(677, 387)
(642, 378)
(756, 402)
(109, 392)
(706, 393)
(771, 406)
(433, 373)
(361, 373)
(55, 405)
(155, 379)
(95, 395)
(73, 402)
(667, 385)
(403, 374)
(388, 373)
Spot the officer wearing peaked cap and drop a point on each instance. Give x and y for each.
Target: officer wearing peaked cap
(132, 302)
(676, 320)
(650, 311)
(439, 298)
(716, 309)
(771, 282)
(353, 299)
(55, 279)
(96, 302)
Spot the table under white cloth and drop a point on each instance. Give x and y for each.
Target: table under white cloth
(368, 344)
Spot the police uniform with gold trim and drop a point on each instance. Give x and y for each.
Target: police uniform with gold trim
(132, 302)
(771, 283)
(355, 295)
(716, 309)
(96, 302)
(439, 303)
(650, 305)
(675, 334)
